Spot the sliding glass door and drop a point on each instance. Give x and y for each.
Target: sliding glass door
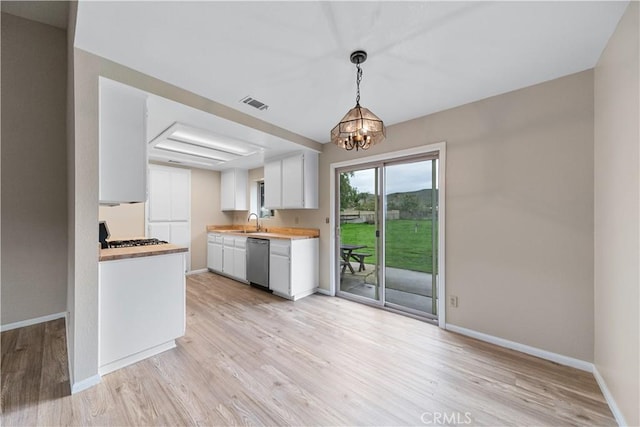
(410, 236)
(387, 235)
(358, 251)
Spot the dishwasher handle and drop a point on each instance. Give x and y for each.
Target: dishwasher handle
(254, 241)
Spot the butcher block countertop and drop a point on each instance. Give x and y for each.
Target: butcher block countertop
(267, 232)
(112, 254)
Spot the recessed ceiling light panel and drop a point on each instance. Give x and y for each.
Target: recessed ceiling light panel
(195, 150)
(187, 140)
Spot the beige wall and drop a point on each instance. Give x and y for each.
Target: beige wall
(34, 170)
(617, 215)
(70, 122)
(519, 211)
(125, 221)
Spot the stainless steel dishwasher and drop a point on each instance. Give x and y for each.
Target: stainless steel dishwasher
(258, 262)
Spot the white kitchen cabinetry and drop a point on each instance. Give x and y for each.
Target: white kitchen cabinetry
(292, 182)
(227, 255)
(141, 308)
(240, 258)
(169, 193)
(214, 252)
(233, 189)
(168, 209)
(122, 144)
(273, 184)
(293, 267)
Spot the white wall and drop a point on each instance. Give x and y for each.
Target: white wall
(34, 170)
(617, 215)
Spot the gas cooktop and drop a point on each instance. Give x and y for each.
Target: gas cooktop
(134, 242)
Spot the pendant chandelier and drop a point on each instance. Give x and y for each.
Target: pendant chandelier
(359, 128)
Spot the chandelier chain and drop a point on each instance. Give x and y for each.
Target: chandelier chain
(358, 80)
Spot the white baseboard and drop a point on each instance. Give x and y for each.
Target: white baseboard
(615, 410)
(66, 332)
(534, 351)
(126, 361)
(29, 322)
(85, 384)
(202, 270)
(324, 292)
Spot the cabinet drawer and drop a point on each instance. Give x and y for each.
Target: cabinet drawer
(214, 238)
(281, 248)
(241, 242)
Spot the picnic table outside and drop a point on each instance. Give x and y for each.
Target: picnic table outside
(347, 253)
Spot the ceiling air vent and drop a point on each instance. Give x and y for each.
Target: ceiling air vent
(254, 103)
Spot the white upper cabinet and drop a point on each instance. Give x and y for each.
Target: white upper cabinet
(233, 189)
(169, 194)
(180, 196)
(273, 184)
(159, 200)
(292, 182)
(123, 147)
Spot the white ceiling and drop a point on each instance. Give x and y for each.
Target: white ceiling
(162, 113)
(424, 57)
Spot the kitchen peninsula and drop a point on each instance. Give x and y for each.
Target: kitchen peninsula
(141, 303)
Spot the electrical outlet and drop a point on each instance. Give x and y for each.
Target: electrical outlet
(326, 220)
(453, 301)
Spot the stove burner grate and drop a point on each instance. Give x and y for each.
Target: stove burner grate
(135, 242)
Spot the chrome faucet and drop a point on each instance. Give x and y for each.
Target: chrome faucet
(257, 223)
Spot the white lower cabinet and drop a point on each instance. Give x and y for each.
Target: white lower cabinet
(227, 255)
(280, 267)
(141, 308)
(214, 252)
(293, 264)
(240, 258)
(293, 267)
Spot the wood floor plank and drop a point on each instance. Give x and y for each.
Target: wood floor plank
(251, 358)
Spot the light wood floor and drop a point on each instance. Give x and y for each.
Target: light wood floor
(252, 358)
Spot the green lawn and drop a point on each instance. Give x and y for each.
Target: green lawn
(408, 242)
